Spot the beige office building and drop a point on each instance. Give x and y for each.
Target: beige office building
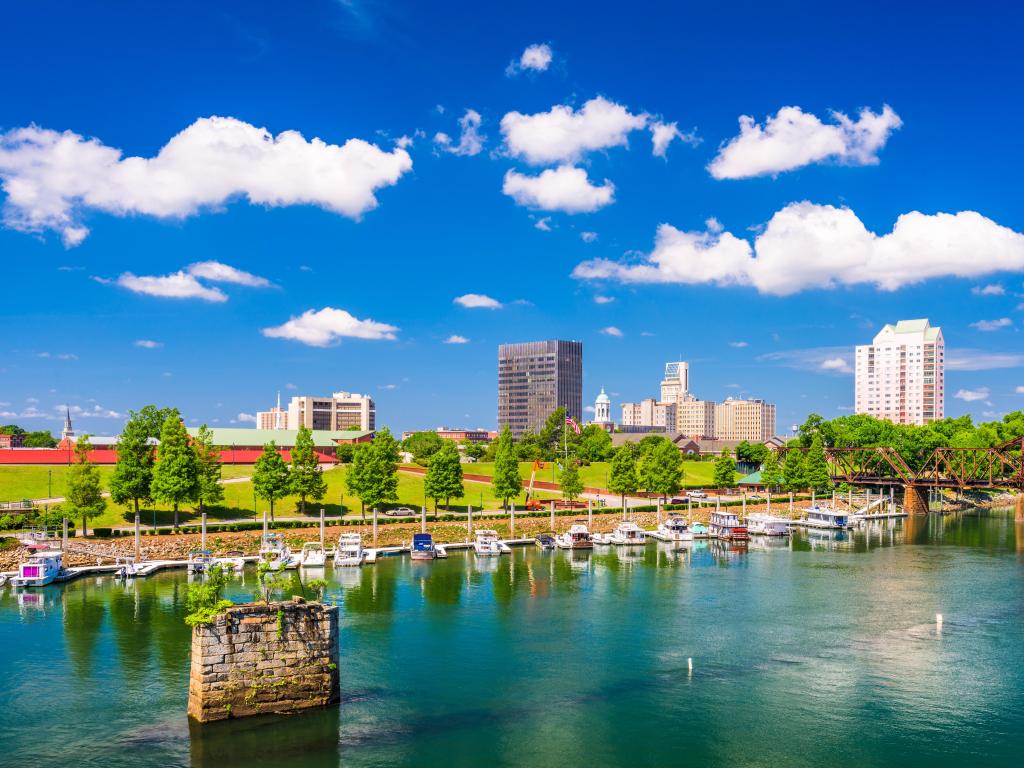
(752, 420)
(275, 418)
(694, 417)
(340, 411)
(649, 413)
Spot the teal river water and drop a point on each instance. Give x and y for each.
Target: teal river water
(819, 651)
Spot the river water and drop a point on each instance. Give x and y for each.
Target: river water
(823, 650)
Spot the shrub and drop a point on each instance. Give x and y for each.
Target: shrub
(101, 533)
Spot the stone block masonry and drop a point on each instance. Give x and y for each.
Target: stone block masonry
(258, 659)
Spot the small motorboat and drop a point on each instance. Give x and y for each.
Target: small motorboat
(349, 551)
(545, 541)
(487, 544)
(627, 533)
(673, 529)
(700, 531)
(126, 568)
(577, 537)
(200, 560)
(276, 553)
(422, 547)
(726, 525)
(42, 567)
(312, 555)
(763, 524)
(232, 561)
(605, 539)
(825, 517)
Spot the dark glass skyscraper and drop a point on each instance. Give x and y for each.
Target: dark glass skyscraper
(535, 378)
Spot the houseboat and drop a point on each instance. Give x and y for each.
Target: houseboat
(349, 550)
(825, 517)
(487, 544)
(43, 567)
(312, 555)
(628, 533)
(545, 541)
(763, 524)
(727, 525)
(422, 547)
(577, 537)
(275, 552)
(199, 560)
(673, 529)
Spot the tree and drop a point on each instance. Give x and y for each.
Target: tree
(270, 476)
(725, 471)
(771, 473)
(595, 443)
(83, 496)
(473, 449)
(39, 439)
(507, 482)
(380, 480)
(624, 479)
(752, 453)
(356, 473)
(793, 470)
(176, 476)
(816, 467)
(661, 470)
(570, 481)
(208, 468)
(444, 475)
(345, 452)
(306, 476)
(151, 419)
(11, 429)
(132, 480)
(422, 445)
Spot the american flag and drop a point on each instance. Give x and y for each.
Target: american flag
(573, 424)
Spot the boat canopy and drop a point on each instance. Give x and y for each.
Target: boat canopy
(422, 541)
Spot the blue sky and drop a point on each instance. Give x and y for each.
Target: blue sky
(757, 256)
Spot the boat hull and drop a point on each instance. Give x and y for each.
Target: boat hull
(422, 555)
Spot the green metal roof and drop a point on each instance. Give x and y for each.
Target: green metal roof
(226, 436)
(754, 478)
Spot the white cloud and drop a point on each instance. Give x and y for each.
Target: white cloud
(388, 386)
(738, 344)
(148, 344)
(794, 138)
(477, 301)
(562, 135)
(456, 339)
(8, 415)
(97, 411)
(543, 224)
(179, 285)
(51, 179)
(31, 399)
(611, 330)
(471, 141)
(42, 354)
(959, 359)
(604, 299)
(290, 386)
(971, 395)
(246, 417)
(993, 289)
(992, 325)
(217, 272)
(1019, 391)
(318, 328)
(663, 134)
(588, 237)
(836, 364)
(806, 246)
(535, 58)
(67, 356)
(588, 409)
(564, 189)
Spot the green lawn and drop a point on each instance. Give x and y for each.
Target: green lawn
(696, 474)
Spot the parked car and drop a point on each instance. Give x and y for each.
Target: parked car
(400, 511)
(697, 494)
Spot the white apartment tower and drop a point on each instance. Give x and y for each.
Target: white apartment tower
(900, 376)
(676, 383)
(340, 411)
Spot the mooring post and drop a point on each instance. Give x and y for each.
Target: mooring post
(265, 522)
(512, 521)
(689, 509)
(590, 513)
(423, 519)
(138, 541)
(657, 514)
(849, 498)
(202, 538)
(321, 529)
(64, 538)
(718, 502)
(769, 497)
(833, 499)
(375, 526)
(469, 523)
(552, 514)
(813, 498)
(791, 502)
(743, 506)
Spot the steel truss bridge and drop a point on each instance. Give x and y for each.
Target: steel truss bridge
(962, 468)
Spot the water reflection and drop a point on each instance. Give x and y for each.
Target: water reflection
(305, 741)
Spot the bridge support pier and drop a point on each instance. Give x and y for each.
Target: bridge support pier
(1019, 507)
(915, 500)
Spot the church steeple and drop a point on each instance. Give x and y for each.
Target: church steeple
(68, 433)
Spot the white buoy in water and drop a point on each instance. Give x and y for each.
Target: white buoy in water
(938, 619)
(689, 663)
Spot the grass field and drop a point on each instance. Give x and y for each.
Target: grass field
(696, 474)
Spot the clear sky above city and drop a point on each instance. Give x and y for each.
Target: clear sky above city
(207, 203)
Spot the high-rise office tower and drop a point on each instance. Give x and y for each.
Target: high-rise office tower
(901, 375)
(535, 378)
(676, 382)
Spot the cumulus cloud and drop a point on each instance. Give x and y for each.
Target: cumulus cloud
(988, 290)
(477, 301)
(604, 299)
(179, 285)
(564, 135)
(217, 272)
(321, 327)
(971, 395)
(543, 224)
(535, 58)
(51, 178)
(814, 359)
(663, 134)
(794, 138)
(148, 344)
(96, 412)
(471, 141)
(246, 417)
(992, 325)
(738, 344)
(588, 237)
(456, 339)
(565, 189)
(1019, 391)
(836, 364)
(963, 359)
(807, 246)
(611, 330)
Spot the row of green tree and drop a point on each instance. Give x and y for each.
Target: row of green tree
(36, 439)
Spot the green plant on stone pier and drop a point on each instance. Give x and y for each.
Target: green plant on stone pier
(204, 599)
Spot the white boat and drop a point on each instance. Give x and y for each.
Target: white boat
(42, 567)
(825, 517)
(628, 533)
(604, 539)
(126, 568)
(312, 555)
(763, 524)
(274, 551)
(349, 550)
(727, 525)
(232, 561)
(577, 537)
(673, 529)
(199, 560)
(487, 544)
